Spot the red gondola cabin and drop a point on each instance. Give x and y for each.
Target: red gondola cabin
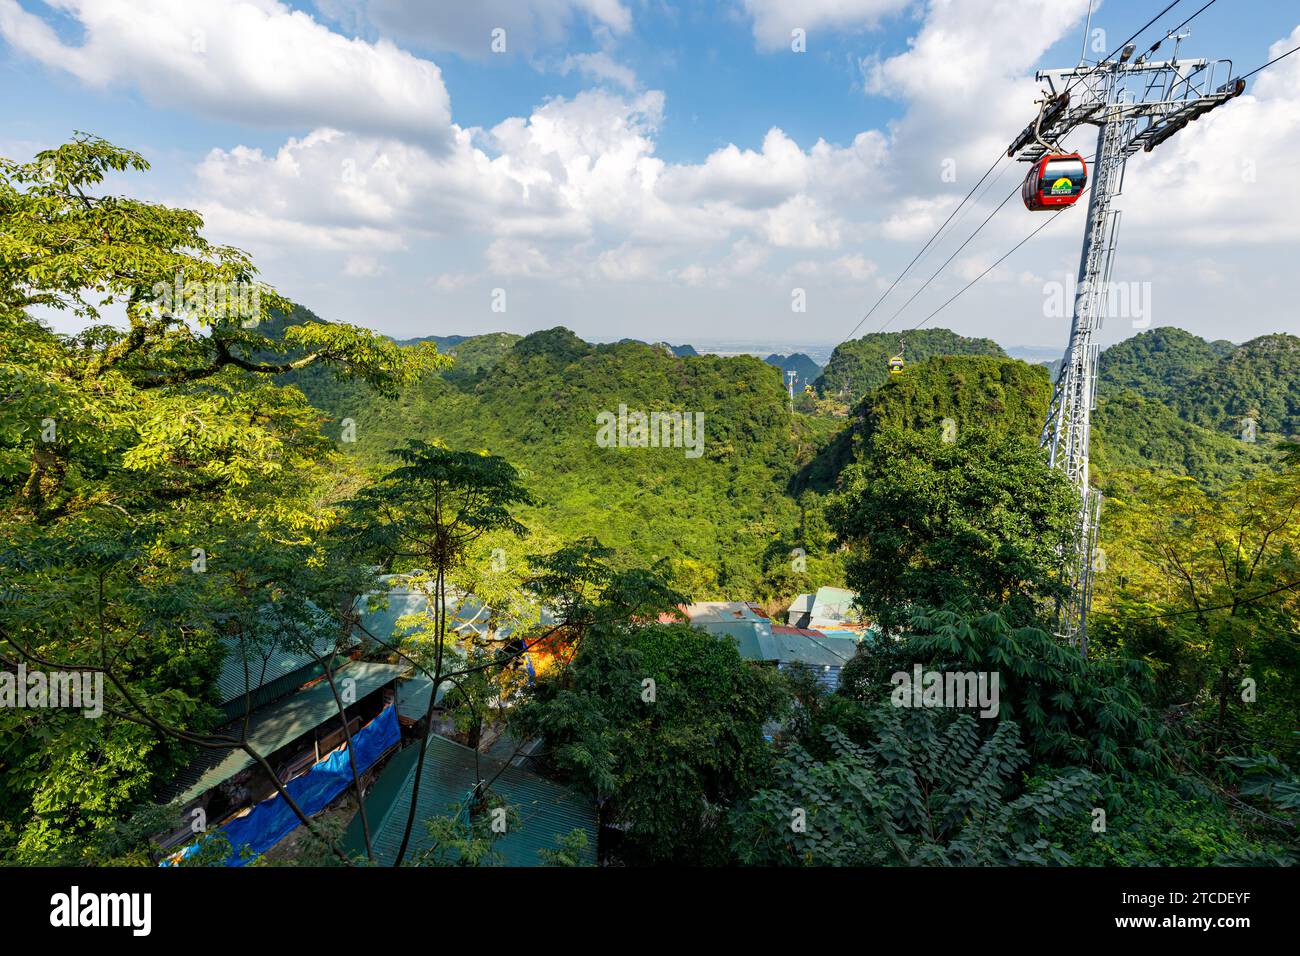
(1054, 181)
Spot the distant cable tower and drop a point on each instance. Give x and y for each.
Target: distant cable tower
(790, 376)
(1134, 105)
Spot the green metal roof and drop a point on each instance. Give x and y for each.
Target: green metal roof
(811, 647)
(466, 613)
(547, 810)
(279, 724)
(759, 641)
(802, 604)
(752, 638)
(265, 666)
(833, 604)
(413, 695)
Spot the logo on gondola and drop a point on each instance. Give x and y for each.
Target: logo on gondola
(1063, 186)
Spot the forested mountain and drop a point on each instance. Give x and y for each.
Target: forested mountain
(806, 370)
(940, 397)
(861, 365)
(1158, 364)
(471, 352)
(169, 497)
(1258, 380)
(1132, 432)
(535, 399)
(713, 513)
(1001, 394)
(1212, 384)
(681, 351)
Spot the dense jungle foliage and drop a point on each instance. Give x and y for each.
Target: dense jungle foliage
(196, 476)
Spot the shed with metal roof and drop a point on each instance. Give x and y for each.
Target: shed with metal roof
(278, 725)
(548, 811)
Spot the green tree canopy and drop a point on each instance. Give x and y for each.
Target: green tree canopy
(929, 522)
(665, 724)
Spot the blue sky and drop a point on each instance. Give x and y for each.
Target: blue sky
(653, 169)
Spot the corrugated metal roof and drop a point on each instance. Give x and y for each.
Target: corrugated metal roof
(268, 662)
(413, 695)
(279, 724)
(752, 638)
(828, 675)
(802, 604)
(547, 810)
(706, 611)
(764, 641)
(811, 647)
(833, 605)
(265, 664)
(467, 614)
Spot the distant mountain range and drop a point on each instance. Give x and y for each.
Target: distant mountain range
(726, 520)
(681, 351)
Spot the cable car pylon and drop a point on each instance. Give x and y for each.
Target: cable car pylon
(1135, 105)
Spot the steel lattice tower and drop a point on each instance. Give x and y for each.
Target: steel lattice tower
(1134, 105)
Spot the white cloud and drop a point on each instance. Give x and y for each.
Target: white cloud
(802, 223)
(250, 61)
(742, 261)
(573, 188)
(775, 19)
(517, 258)
(629, 262)
(573, 193)
(600, 67)
(967, 80)
(851, 267)
(1223, 179)
(466, 28)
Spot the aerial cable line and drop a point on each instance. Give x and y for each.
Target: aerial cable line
(954, 255)
(963, 246)
(969, 206)
(1156, 45)
(918, 256)
(1047, 222)
(1138, 33)
(1270, 63)
(1002, 259)
(1222, 607)
(1001, 156)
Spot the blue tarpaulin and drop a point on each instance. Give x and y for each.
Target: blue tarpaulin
(272, 820)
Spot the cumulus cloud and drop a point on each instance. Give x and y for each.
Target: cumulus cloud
(600, 67)
(362, 267)
(775, 19)
(579, 172)
(249, 61)
(1227, 170)
(573, 190)
(967, 77)
(466, 28)
(852, 267)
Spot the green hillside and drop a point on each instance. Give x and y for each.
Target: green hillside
(1000, 394)
(1158, 364)
(1260, 379)
(1131, 432)
(715, 515)
(805, 368)
(740, 508)
(1211, 384)
(860, 365)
